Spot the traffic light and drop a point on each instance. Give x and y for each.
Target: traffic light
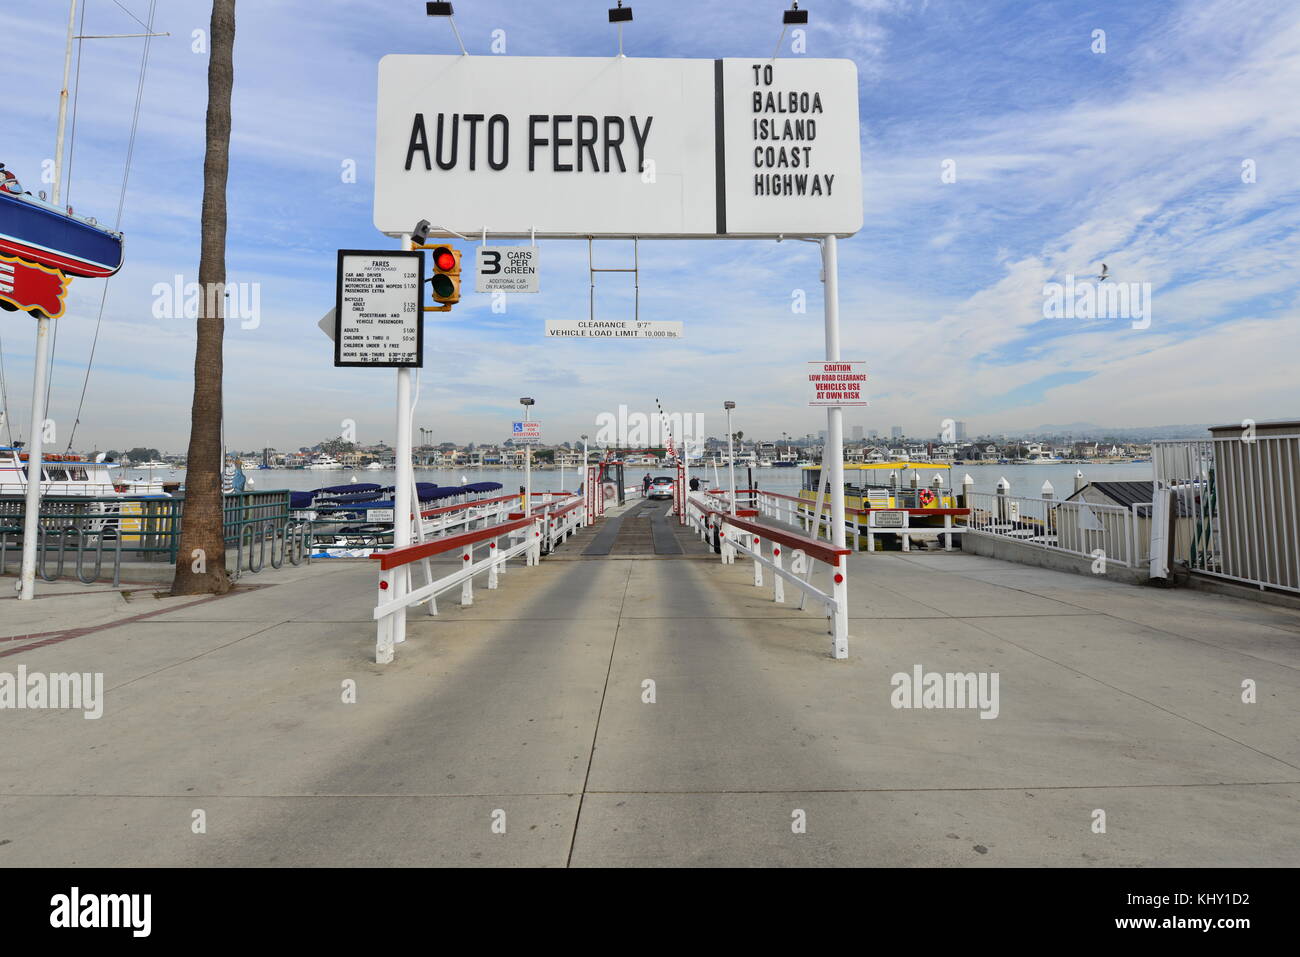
(446, 278)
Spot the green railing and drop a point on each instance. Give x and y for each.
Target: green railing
(146, 529)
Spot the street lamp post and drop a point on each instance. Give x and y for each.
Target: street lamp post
(731, 455)
(527, 403)
(583, 482)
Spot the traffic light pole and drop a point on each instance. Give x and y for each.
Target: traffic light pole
(402, 491)
(833, 452)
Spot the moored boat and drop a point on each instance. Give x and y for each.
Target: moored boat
(47, 235)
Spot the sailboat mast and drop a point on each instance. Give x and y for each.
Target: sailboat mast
(63, 106)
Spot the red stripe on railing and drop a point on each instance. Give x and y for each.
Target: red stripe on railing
(463, 505)
(396, 557)
(809, 546)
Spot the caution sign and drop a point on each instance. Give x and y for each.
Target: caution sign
(507, 269)
(841, 383)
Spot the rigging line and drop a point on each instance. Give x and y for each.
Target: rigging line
(4, 394)
(117, 223)
(67, 194)
(131, 15)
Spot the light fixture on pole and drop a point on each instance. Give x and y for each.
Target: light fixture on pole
(793, 16)
(620, 15)
(528, 404)
(731, 455)
(445, 10)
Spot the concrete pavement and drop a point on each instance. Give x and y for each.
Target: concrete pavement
(529, 707)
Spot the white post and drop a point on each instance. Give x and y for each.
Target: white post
(587, 517)
(32, 508)
(835, 441)
(731, 464)
(528, 467)
(403, 492)
(967, 486)
(1079, 480)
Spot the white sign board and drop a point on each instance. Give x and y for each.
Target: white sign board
(526, 431)
(837, 383)
(613, 329)
(888, 519)
(615, 146)
(507, 269)
(378, 321)
(379, 515)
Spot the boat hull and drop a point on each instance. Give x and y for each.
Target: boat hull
(41, 234)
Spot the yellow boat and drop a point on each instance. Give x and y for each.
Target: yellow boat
(882, 486)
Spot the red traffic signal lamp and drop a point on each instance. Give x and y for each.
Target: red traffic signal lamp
(446, 278)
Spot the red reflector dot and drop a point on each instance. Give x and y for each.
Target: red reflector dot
(776, 551)
(755, 541)
(838, 578)
(383, 586)
(466, 557)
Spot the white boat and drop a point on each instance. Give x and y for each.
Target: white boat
(374, 467)
(324, 461)
(70, 475)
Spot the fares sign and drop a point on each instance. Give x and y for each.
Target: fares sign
(377, 315)
(613, 146)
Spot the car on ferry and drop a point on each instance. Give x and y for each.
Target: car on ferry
(660, 488)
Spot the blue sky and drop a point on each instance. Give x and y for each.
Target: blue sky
(1064, 158)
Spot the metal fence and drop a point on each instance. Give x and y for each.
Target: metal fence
(1237, 495)
(1086, 529)
(77, 535)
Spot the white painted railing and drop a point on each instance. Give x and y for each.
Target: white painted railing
(736, 534)
(487, 549)
(1237, 503)
(1085, 529)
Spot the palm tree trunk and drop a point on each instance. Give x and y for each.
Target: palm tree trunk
(201, 559)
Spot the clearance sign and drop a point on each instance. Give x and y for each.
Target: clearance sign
(575, 147)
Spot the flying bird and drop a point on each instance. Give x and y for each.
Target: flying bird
(1105, 272)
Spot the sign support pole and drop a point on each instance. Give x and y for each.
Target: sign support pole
(402, 492)
(833, 453)
(528, 467)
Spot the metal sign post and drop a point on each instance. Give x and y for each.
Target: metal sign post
(835, 432)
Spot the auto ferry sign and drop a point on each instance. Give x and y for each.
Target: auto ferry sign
(567, 147)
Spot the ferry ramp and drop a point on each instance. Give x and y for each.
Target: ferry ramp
(620, 704)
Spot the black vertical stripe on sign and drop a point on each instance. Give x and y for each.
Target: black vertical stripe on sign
(719, 148)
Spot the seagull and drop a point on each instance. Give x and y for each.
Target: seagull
(1105, 271)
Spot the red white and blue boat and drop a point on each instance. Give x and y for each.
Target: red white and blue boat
(42, 233)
